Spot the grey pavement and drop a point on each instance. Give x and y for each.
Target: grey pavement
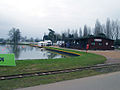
(101, 82)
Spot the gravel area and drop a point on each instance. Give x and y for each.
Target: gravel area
(113, 56)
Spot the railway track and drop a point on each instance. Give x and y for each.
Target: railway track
(99, 66)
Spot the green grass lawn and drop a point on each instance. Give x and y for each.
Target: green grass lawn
(39, 80)
(29, 66)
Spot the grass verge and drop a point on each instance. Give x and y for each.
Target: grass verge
(39, 80)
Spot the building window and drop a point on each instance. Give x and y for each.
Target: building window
(106, 43)
(100, 44)
(93, 43)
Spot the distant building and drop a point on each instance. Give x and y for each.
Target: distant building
(95, 43)
(49, 42)
(45, 43)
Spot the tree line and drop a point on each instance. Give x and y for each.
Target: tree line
(15, 37)
(110, 30)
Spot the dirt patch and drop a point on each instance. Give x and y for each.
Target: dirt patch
(113, 56)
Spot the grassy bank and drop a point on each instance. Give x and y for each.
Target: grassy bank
(29, 66)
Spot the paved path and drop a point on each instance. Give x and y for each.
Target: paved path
(102, 82)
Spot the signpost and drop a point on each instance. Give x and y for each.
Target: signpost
(7, 60)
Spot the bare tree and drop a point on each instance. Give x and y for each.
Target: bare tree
(85, 31)
(103, 28)
(108, 28)
(75, 34)
(64, 36)
(68, 32)
(117, 33)
(80, 32)
(98, 28)
(15, 35)
(113, 29)
(89, 30)
(72, 33)
(58, 37)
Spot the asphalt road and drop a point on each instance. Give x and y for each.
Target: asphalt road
(101, 82)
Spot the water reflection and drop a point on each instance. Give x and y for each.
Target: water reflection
(27, 52)
(15, 49)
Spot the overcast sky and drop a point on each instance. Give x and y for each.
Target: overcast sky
(34, 17)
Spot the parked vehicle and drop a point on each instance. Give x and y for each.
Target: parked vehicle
(45, 43)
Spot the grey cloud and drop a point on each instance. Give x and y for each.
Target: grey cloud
(33, 17)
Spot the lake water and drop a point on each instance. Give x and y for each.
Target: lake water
(23, 52)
